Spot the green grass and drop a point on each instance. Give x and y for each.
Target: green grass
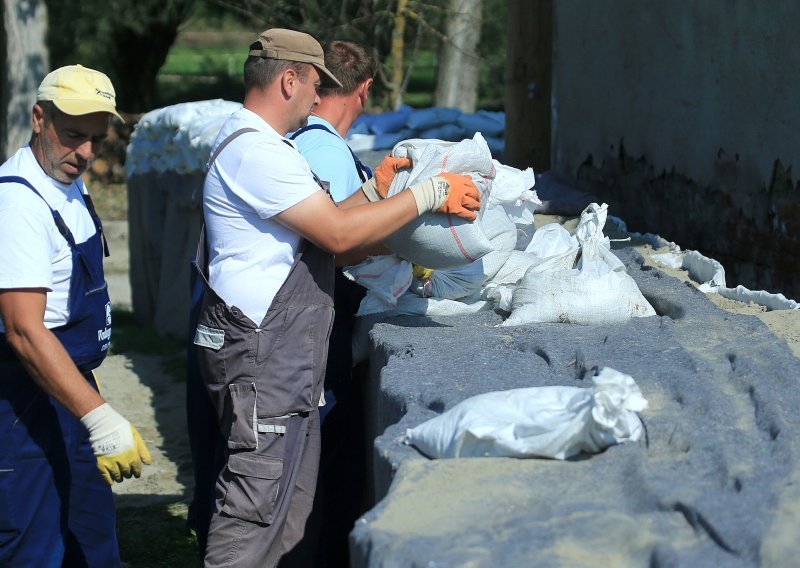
(207, 61)
(195, 73)
(156, 536)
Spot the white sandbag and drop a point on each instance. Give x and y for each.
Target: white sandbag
(512, 188)
(385, 277)
(456, 283)
(435, 240)
(412, 305)
(500, 295)
(509, 201)
(552, 240)
(177, 138)
(760, 297)
(596, 291)
(514, 268)
(551, 422)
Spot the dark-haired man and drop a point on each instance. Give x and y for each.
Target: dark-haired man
(341, 483)
(271, 233)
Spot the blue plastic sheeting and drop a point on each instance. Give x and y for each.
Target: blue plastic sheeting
(389, 139)
(485, 122)
(386, 121)
(443, 132)
(425, 118)
(439, 123)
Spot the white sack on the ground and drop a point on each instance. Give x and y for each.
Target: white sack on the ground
(551, 422)
(436, 240)
(597, 290)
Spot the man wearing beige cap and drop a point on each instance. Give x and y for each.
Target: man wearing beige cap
(267, 259)
(61, 444)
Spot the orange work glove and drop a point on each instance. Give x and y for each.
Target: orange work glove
(385, 172)
(376, 188)
(448, 193)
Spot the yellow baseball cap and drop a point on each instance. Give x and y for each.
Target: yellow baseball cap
(77, 90)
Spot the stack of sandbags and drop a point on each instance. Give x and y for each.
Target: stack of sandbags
(165, 166)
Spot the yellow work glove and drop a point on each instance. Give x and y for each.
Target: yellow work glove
(378, 187)
(420, 272)
(119, 448)
(448, 193)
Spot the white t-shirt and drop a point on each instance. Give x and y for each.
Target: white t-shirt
(33, 254)
(255, 177)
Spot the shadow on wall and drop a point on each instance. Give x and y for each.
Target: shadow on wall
(754, 231)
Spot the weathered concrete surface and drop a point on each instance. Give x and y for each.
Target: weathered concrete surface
(699, 95)
(716, 482)
(752, 229)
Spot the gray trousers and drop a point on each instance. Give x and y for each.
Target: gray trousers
(266, 382)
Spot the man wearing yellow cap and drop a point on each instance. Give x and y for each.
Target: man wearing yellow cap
(268, 267)
(59, 440)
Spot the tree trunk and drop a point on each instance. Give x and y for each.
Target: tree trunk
(23, 67)
(398, 44)
(457, 81)
(528, 85)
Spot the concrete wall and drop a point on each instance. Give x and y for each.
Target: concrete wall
(695, 95)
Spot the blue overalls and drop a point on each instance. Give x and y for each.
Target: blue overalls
(55, 508)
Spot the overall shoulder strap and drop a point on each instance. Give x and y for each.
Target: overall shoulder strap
(364, 173)
(308, 127)
(59, 221)
(228, 140)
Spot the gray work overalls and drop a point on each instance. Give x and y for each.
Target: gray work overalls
(266, 381)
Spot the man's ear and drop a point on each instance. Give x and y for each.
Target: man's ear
(363, 91)
(289, 80)
(37, 119)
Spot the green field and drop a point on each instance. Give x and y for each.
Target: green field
(193, 73)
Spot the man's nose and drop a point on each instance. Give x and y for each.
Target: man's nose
(87, 150)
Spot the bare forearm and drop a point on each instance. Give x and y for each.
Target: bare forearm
(363, 226)
(52, 369)
(359, 254)
(358, 198)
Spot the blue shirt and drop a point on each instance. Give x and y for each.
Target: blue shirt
(330, 158)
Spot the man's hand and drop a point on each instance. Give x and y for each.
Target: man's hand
(376, 188)
(119, 448)
(385, 172)
(448, 193)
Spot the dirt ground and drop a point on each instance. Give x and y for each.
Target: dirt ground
(153, 400)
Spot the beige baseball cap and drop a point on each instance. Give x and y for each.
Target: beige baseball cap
(77, 90)
(289, 45)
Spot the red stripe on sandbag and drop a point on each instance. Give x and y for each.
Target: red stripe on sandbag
(457, 239)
